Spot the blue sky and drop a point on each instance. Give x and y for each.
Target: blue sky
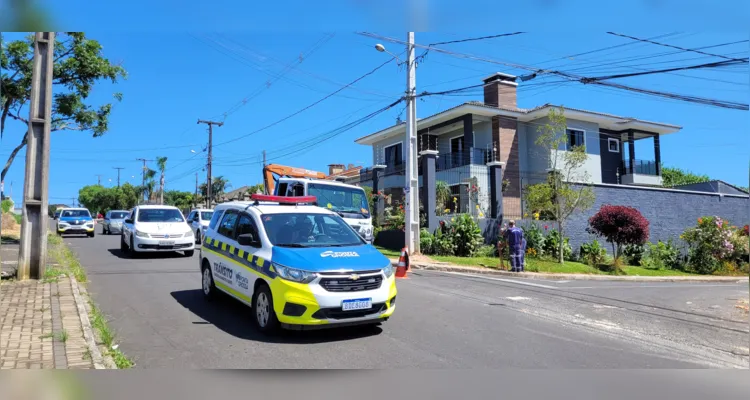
(177, 76)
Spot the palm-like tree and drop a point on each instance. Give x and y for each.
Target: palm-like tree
(150, 184)
(442, 196)
(219, 185)
(161, 162)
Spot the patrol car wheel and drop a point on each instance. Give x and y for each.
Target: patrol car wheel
(265, 317)
(209, 290)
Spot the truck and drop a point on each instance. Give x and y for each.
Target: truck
(348, 201)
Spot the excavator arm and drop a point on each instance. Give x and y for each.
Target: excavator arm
(271, 170)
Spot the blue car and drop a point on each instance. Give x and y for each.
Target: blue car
(76, 221)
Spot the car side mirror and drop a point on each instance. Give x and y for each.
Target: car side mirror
(248, 239)
(128, 221)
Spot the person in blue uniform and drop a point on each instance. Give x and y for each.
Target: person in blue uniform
(516, 246)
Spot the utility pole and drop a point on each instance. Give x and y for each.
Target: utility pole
(118, 174)
(98, 180)
(143, 174)
(412, 176)
(210, 149)
(32, 254)
(195, 199)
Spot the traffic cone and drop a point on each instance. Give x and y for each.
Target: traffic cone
(403, 265)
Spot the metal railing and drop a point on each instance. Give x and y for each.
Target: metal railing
(642, 167)
(461, 158)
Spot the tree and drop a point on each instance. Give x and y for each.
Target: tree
(442, 197)
(619, 225)
(24, 16)
(179, 199)
(161, 162)
(674, 176)
(218, 186)
(148, 189)
(78, 65)
(99, 199)
(259, 188)
(565, 190)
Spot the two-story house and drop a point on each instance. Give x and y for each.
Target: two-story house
(472, 134)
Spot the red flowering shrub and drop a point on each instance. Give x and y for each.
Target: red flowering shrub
(619, 225)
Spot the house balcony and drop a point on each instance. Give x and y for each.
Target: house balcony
(640, 172)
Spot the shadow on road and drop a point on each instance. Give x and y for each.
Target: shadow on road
(234, 318)
(160, 255)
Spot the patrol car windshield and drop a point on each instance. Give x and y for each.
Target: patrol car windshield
(118, 214)
(309, 230)
(75, 213)
(206, 215)
(343, 200)
(160, 215)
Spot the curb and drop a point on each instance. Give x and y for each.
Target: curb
(582, 277)
(99, 361)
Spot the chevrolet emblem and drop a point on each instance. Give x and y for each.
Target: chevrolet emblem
(354, 277)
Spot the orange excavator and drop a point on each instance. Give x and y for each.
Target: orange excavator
(269, 181)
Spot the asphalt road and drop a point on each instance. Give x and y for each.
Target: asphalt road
(443, 320)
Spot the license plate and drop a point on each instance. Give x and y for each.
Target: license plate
(166, 243)
(356, 304)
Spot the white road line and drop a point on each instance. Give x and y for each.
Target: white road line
(518, 298)
(501, 280)
(666, 285)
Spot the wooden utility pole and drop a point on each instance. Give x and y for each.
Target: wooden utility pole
(32, 254)
(210, 148)
(118, 174)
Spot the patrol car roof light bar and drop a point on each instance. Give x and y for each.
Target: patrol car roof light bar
(284, 199)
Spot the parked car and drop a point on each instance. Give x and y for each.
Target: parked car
(152, 228)
(76, 221)
(113, 221)
(198, 220)
(57, 213)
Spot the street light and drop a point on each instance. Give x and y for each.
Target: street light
(411, 188)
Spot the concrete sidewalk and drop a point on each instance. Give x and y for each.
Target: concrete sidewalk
(44, 324)
(446, 267)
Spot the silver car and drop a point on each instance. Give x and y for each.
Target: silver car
(112, 223)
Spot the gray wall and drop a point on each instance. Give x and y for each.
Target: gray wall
(668, 211)
(712, 187)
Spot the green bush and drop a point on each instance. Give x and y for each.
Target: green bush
(426, 242)
(466, 235)
(552, 246)
(6, 205)
(486, 251)
(534, 239)
(661, 256)
(444, 245)
(593, 253)
(710, 243)
(634, 254)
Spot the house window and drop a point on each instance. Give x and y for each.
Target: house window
(613, 145)
(456, 192)
(394, 155)
(575, 138)
(457, 144)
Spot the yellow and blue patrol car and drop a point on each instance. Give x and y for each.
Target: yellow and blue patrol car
(298, 266)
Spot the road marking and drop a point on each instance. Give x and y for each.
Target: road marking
(603, 306)
(666, 285)
(518, 298)
(501, 280)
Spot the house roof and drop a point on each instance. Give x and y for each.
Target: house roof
(606, 121)
(711, 181)
(353, 171)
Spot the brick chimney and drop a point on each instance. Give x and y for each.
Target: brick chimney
(334, 169)
(500, 90)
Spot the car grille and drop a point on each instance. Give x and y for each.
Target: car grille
(172, 236)
(77, 222)
(345, 284)
(337, 313)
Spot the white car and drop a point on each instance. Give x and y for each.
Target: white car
(198, 220)
(151, 228)
(298, 266)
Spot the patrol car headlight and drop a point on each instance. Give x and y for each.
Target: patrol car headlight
(141, 234)
(293, 274)
(63, 224)
(388, 270)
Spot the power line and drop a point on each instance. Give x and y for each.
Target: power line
(660, 71)
(672, 46)
(478, 38)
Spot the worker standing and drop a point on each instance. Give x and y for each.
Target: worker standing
(516, 245)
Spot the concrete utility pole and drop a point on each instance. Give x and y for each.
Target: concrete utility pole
(195, 199)
(98, 180)
(143, 174)
(32, 254)
(412, 173)
(118, 174)
(210, 149)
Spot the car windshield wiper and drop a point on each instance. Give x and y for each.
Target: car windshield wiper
(290, 245)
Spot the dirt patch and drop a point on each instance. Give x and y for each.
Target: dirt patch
(743, 305)
(420, 258)
(9, 222)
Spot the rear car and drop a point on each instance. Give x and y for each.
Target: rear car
(198, 220)
(298, 266)
(113, 221)
(151, 229)
(76, 221)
